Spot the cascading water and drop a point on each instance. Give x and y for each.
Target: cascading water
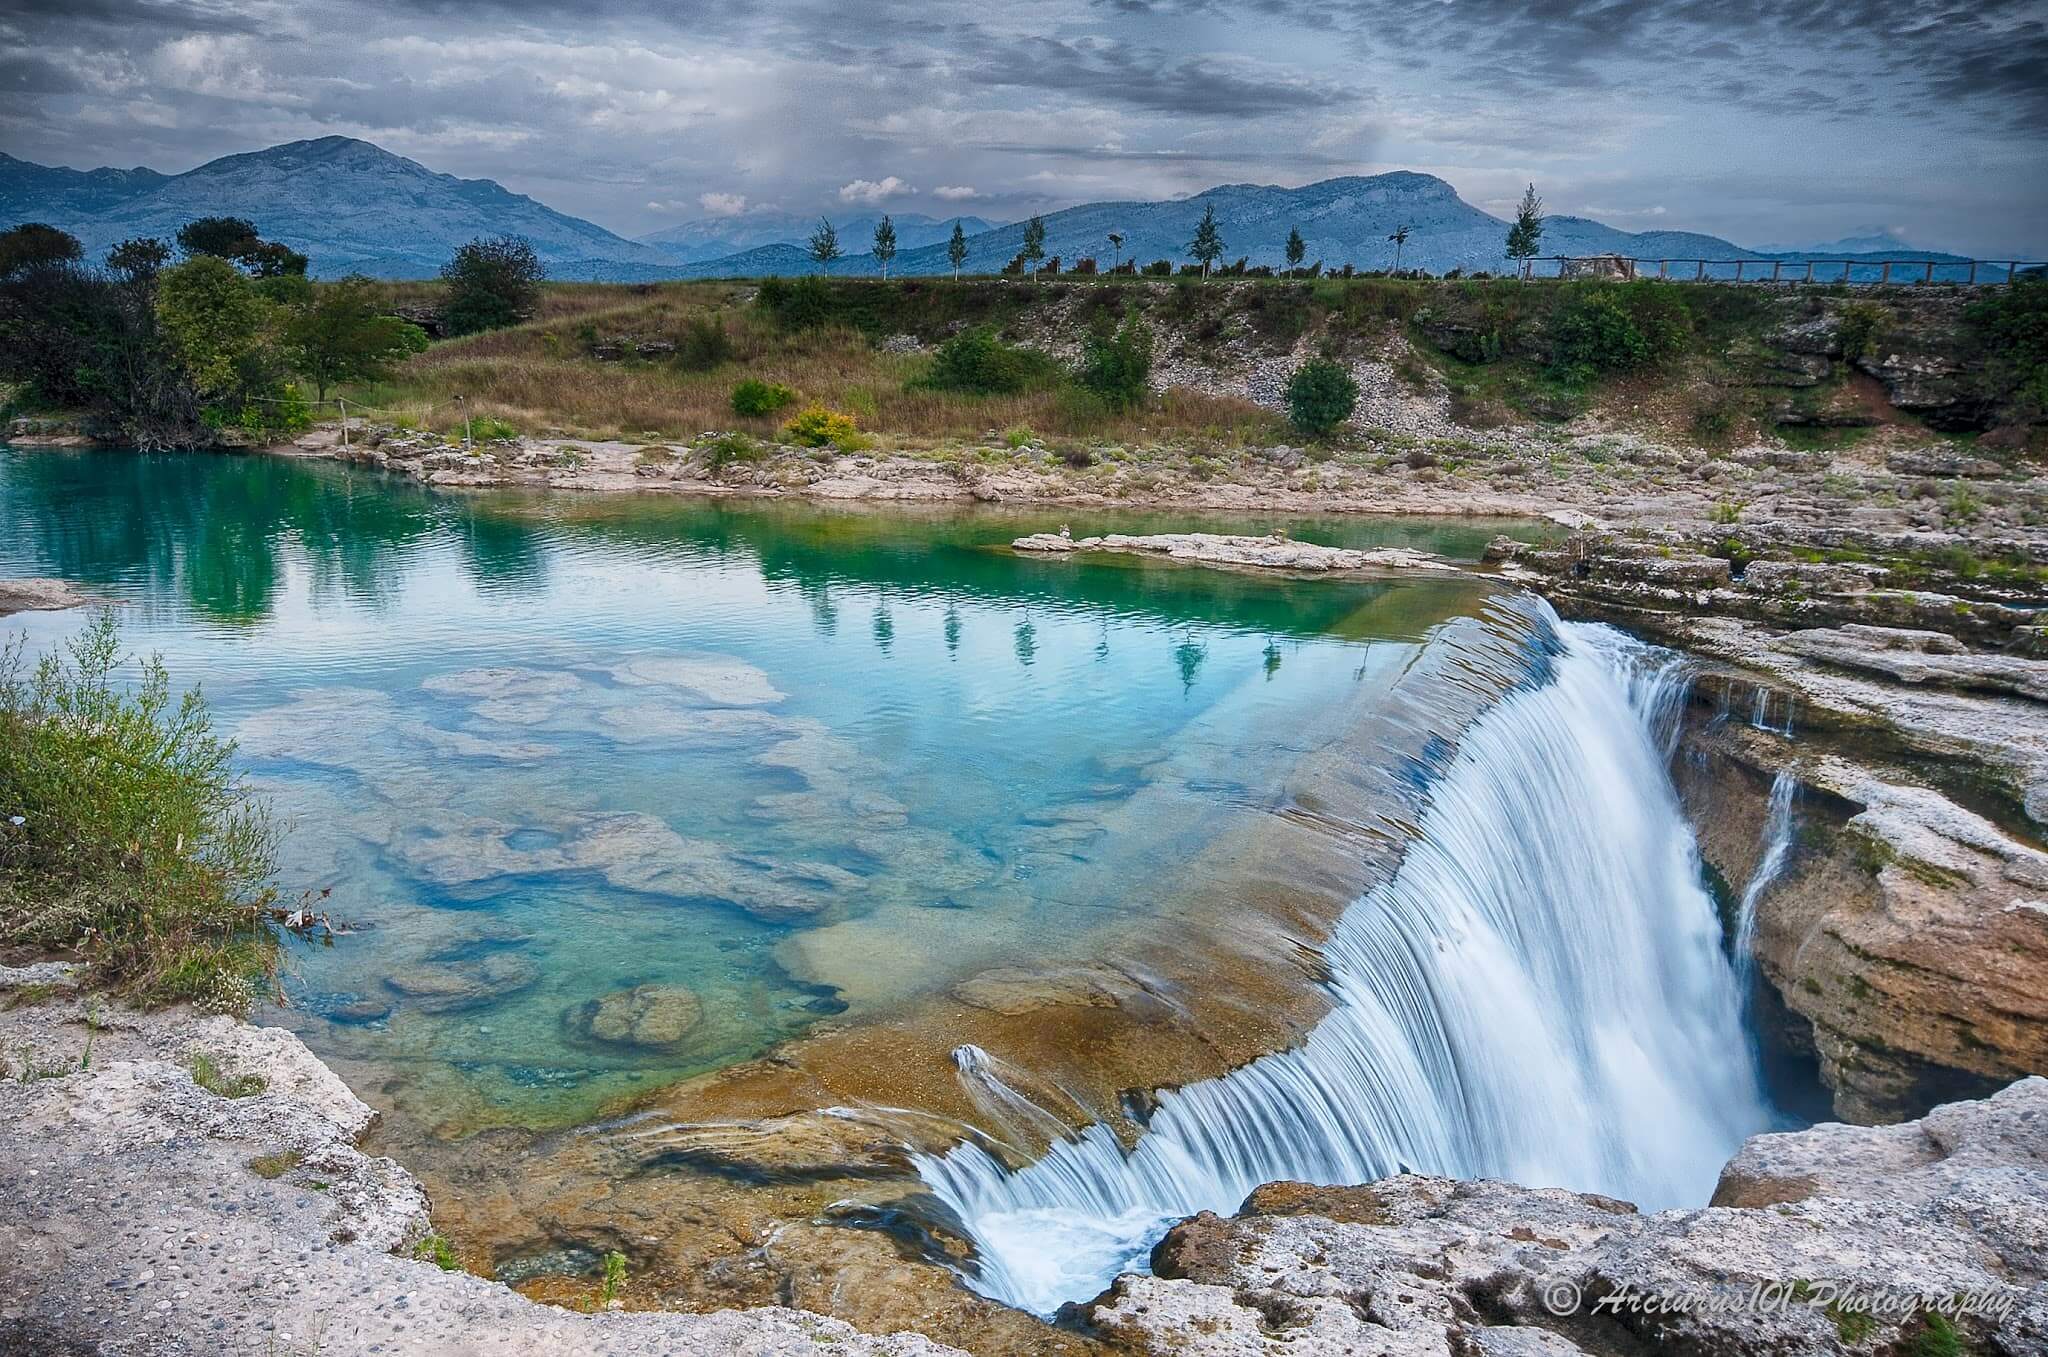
(1777, 847)
(1539, 993)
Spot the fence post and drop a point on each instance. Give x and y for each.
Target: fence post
(1663, 268)
(1886, 275)
(2011, 269)
(1776, 266)
(1930, 272)
(1738, 270)
(1700, 274)
(1973, 271)
(1846, 266)
(344, 422)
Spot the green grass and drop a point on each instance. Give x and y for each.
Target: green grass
(275, 1165)
(614, 1283)
(128, 840)
(209, 1076)
(437, 1250)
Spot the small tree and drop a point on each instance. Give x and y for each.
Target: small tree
(221, 237)
(1034, 245)
(885, 243)
(1320, 396)
(1400, 239)
(32, 244)
(491, 284)
(1207, 246)
(956, 249)
(213, 319)
(341, 336)
(1525, 237)
(1116, 245)
(1297, 248)
(825, 243)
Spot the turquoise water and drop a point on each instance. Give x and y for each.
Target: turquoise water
(804, 763)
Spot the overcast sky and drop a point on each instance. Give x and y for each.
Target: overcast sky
(1765, 121)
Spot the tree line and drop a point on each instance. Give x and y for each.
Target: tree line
(181, 343)
(1205, 250)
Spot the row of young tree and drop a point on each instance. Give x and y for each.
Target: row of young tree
(1525, 237)
(179, 343)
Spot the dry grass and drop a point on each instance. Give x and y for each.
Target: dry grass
(540, 378)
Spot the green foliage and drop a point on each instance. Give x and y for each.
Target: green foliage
(140, 258)
(1961, 504)
(1726, 512)
(1019, 436)
(489, 429)
(956, 248)
(126, 836)
(978, 363)
(816, 427)
(32, 244)
(1609, 329)
(1861, 323)
(824, 243)
(267, 419)
(212, 319)
(885, 243)
(491, 284)
(1034, 243)
(1207, 246)
(437, 1250)
(275, 1165)
(805, 303)
(221, 1084)
(1525, 236)
(614, 1283)
(2008, 337)
(1320, 396)
(1116, 365)
(341, 335)
(235, 240)
(1297, 248)
(727, 449)
(705, 345)
(1937, 1338)
(755, 398)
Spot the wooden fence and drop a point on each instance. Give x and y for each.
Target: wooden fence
(1874, 272)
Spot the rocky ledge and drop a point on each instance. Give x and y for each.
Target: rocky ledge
(179, 1184)
(1920, 1238)
(1208, 548)
(40, 595)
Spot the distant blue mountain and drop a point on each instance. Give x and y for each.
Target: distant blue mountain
(352, 206)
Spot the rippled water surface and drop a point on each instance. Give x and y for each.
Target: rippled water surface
(787, 764)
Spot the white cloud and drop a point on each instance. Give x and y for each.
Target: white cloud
(956, 193)
(871, 192)
(722, 204)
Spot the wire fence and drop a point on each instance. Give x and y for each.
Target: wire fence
(1869, 272)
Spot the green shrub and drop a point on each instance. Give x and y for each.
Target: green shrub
(978, 363)
(1618, 329)
(221, 1084)
(754, 398)
(614, 1277)
(1117, 365)
(726, 449)
(1018, 436)
(805, 303)
(2008, 336)
(437, 1250)
(126, 837)
(816, 427)
(1320, 396)
(705, 345)
(489, 428)
(1860, 324)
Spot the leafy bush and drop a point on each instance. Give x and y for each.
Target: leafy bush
(979, 364)
(816, 427)
(1117, 365)
(754, 398)
(1859, 326)
(705, 345)
(2008, 334)
(125, 836)
(489, 428)
(1622, 329)
(804, 303)
(1320, 396)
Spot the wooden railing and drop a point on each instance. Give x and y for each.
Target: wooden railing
(1875, 272)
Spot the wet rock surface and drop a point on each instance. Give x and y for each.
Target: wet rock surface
(1208, 548)
(1858, 1235)
(651, 1017)
(40, 595)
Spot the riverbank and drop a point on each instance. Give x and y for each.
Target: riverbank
(178, 1185)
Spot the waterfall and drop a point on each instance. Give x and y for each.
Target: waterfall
(1777, 846)
(1539, 993)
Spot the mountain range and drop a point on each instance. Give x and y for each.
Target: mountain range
(351, 206)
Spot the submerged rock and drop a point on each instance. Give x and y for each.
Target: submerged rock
(652, 1017)
(1208, 548)
(464, 985)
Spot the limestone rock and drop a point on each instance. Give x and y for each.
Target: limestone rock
(40, 595)
(1269, 553)
(458, 987)
(1953, 1206)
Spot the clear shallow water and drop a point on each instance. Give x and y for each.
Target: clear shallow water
(804, 763)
